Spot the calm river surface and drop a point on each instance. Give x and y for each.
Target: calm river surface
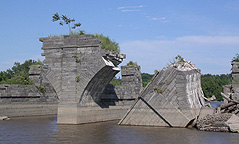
(44, 130)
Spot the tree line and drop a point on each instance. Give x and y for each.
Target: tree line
(18, 74)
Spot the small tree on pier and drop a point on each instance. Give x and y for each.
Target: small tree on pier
(65, 20)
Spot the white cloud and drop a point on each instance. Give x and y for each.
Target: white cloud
(211, 54)
(131, 7)
(162, 19)
(130, 10)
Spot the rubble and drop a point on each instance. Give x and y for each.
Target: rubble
(223, 122)
(225, 117)
(214, 122)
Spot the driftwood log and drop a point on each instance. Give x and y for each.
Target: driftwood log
(231, 106)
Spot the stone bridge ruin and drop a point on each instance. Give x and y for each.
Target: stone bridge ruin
(79, 71)
(172, 98)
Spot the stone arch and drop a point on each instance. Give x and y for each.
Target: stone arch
(96, 86)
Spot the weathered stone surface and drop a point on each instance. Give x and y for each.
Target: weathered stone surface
(172, 98)
(231, 92)
(233, 123)
(29, 100)
(28, 109)
(79, 70)
(233, 89)
(130, 88)
(206, 111)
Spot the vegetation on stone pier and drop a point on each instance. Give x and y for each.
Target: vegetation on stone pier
(108, 44)
(65, 20)
(18, 74)
(236, 58)
(133, 64)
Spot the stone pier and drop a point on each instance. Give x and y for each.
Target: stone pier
(79, 70)
(172, 98)
(233, 89)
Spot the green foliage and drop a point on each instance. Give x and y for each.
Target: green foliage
(18, 74)
(178, 58)
(157, 89)
(76, 57)
(146, 78)
(65, 20)
(108, 44)
(133, 64)
(116, 82)
(41, 89)
(212, 84)
(81, 32)
(236, 58)
(77, 78)
(156, 71)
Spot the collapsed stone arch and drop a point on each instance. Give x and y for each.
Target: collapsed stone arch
(79, 70)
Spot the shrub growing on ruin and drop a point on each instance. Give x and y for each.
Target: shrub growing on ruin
(63, 19)
(131, 63)
(108, 44)
(236, 58)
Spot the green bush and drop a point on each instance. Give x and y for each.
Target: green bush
(133, 64)
(108, 44)
(236, 58)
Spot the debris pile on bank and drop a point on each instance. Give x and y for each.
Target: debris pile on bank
(230, 105)
(225, 117)
(225, 122)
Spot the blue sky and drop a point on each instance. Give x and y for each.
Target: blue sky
(150, 32)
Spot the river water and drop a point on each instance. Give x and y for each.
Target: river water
(44, 130)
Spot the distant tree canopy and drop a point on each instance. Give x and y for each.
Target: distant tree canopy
(236, 58)
(18, 74)
(212, 84)
(146, 78)
(116, 82)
